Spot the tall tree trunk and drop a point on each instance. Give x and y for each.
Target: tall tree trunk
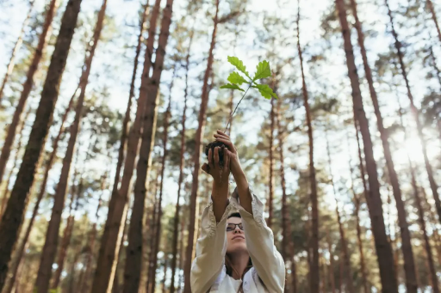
(435, 19)
(415, 112)
(151, 87)
(346, 257)
(287, 243)
(364, 273)
(11, 172)
(314, 274)
(196, 157)
(27, 87)
(383, 247)
(420, 208)
(118, 205)
(16, 48)
(331, 262)
(167, 115)
(13, 216)
(181, 254)
(19, 251)
(181, 172)
(152, 240)
(50, 245)
(83, 282)
(409, 263)
(271, 168)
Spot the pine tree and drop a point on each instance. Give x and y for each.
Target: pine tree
(383, 247)
(27, 87)
(13, 216)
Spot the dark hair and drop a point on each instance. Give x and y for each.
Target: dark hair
(234, 215)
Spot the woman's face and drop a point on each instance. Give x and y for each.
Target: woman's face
(235, 236)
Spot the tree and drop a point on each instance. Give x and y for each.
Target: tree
(409, 264)
(382, 245)
(27, 87)
(15, 50)
(314, 273)
(151, 88)
(197, 154)
(118, 205)
(51, 242)
(13, 216)
(415, 111)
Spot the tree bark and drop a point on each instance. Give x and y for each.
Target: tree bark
(51, 243)
(435, 19)
(152, 239)
(157, 234)
(149, 86)
(346, 257)
(409, 263)
(181, 171)
(16, 48)
(27, 87)
(287, 242)
(118, 205)
(271, 168)
(13, 216)
(415, 113)
(196, 157)
(315, 269)
(16, 157)
(331, 262)
(383, 247)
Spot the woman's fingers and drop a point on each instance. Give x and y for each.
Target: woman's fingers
(216, 156)
(221, 136)
(206, 168)
(228, 143)
(226, 159)
(210, 159)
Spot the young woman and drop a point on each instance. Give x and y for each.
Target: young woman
(235, 251)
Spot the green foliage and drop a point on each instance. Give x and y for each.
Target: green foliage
(239, 65)
(236, 78)
(231, 86)
(265, 91)
(263, 70)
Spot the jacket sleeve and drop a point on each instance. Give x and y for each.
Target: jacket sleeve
(266, 259)
(210, 250)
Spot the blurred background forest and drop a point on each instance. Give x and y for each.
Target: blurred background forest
(105, 105)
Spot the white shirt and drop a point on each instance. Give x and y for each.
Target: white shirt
(208, 272)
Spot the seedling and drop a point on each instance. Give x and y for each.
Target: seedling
(237, 81)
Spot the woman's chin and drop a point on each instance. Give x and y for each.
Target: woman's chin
(238, 247)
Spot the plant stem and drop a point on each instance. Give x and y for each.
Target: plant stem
(232, 114)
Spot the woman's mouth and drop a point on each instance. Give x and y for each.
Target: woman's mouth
(238, 237)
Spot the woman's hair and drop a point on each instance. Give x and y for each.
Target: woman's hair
(234, 215)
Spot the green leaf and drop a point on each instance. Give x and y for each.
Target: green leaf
(239, 65)
(231, 86)
(236, 78)
(265, 91)
(263, 70)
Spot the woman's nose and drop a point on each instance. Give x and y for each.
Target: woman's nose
(237, 230)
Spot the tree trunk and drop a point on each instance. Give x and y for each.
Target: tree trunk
(196, 157)
(181, 172)
(314, 274)
(287, 242)
(50, 245)
(167, 115)
(181, 254)
(152, 240)
(16, 48)
(364, 274)
(13, 216)
(420, 208)
(165, 273)
(150, 87)
(11, 172)
(383, 248)
(346, 257)
(435, 19)
(27, 87)
(271, 168)
(415, 113)
(331, 262)
(19, 251)
(409, 264)
(118, 205)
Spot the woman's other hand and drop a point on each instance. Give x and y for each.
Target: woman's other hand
(231, 152)
(219, 172)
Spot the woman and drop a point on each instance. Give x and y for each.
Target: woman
(235, 251)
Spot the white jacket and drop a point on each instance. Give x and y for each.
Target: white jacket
(208, 272)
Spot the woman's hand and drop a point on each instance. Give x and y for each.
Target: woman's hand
(219, 172)
(231, 152)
